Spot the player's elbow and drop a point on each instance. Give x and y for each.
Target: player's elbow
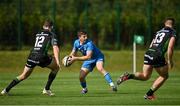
(55, 48)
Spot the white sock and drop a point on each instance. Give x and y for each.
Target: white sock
(111, 84)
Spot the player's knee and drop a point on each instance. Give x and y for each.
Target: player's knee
(166, 76)
(23, 77)
(81, 78)
(56, 68)
(146, 77)
(101, 70)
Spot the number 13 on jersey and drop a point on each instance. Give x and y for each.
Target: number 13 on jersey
(159, 37)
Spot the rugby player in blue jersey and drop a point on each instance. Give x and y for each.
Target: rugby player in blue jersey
(92, 57)
(164, 41)
(39, 57)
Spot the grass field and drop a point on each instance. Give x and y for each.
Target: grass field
(67, 89)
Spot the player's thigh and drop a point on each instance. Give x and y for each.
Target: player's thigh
(53, 65)
(147, 70)
(100, 67)
(162, 71)
(89, 65)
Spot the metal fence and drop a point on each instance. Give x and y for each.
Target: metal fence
(110, 23)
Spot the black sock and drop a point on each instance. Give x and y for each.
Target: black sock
(50, 80)
(150, 92)
(12, 84)
(131, 76)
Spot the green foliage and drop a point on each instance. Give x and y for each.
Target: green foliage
(98, 17)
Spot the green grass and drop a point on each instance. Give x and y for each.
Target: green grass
(67, 89)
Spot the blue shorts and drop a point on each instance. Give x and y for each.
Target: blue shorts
(91, 63)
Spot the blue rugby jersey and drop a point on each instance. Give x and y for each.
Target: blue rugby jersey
(87, 46)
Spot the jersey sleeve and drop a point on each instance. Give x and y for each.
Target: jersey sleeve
(173, 34)
(54, 40)
(75, 45)
(90, 46)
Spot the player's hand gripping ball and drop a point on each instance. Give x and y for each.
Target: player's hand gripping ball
(67, 61)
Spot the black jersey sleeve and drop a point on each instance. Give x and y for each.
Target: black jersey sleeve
(54, 40)
(173, 33)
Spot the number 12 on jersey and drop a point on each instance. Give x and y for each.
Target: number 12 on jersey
(39, 41)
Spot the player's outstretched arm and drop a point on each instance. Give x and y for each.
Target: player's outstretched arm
(73, 53)
(82, 58)
(151, 43)
(56, 54)
(170, 52)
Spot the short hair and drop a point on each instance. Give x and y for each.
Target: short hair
(81, 32)
(48, 23)
(170, 18)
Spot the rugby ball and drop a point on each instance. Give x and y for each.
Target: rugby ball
(66, 61)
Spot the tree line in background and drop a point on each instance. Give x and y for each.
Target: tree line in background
(110, 23)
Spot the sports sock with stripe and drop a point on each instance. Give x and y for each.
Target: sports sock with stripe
(108, 79)
(12, 84)
(51, 77)
(150, 92)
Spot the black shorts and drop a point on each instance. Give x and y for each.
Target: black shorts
(155, 59)
(38, 59)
